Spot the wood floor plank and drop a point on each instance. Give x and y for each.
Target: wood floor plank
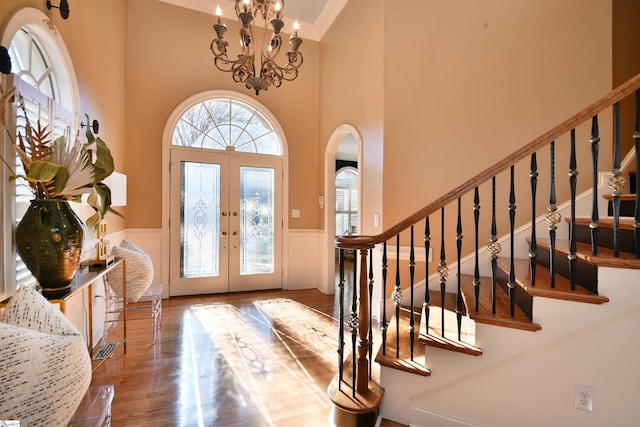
(245, 359)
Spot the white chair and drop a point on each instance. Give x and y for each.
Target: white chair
(148, 306)
(142, 296)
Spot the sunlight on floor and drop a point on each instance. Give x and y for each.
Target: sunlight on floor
(265, 356)
(185, 398)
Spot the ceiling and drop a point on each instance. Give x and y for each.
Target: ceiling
(314, 16)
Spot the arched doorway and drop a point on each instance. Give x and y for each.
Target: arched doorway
(345, 144)
(225, 196)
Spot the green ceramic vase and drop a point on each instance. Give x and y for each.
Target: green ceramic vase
(49, 239)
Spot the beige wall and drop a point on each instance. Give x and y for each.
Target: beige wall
(468, 82)
(168, 60)
(626, 62)
(95, 36)
(442, 90)
(413, 84)
(352, 65)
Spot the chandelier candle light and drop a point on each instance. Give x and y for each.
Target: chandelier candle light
(243, 69)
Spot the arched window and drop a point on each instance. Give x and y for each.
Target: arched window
(227, 124)
(347, 201)
(43, 76)
(32, 64)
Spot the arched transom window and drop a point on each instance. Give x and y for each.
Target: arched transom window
(227, 124)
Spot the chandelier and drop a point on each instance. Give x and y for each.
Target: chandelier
(262, 75)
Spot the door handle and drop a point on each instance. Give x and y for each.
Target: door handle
(224, 233)
(225, 213)
(235, 233)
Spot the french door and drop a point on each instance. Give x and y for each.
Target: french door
(225, 223)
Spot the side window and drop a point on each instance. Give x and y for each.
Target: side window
(347, 201)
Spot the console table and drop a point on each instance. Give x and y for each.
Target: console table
(84, 279)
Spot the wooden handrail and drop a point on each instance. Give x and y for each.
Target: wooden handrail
(368, 242)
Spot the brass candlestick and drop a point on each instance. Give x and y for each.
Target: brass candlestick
(102, 258)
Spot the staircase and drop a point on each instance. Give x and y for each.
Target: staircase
(507, 333)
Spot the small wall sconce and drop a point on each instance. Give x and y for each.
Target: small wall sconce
(95, 126)
(5, 61)
(64, 8)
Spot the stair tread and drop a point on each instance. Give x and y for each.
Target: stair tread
(432, 336)
(625, 223)
(562, 288)
(604, 258)
(624, 196)
(484, 313)
(403, 362)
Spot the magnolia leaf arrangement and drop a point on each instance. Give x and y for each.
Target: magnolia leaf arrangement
(64, 168)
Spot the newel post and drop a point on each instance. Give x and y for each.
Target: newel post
(362, 369)
(356, 399)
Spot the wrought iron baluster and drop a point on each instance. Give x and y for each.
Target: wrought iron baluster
(385, 323)
(552, 217)
(476, 268)
(533, 245)
(616, 182)
(594, 226)
(443, 272)
(354, 323)
(341, 319)
(370, 311)
(636, 140)
(397, 295)
(493, 246)
(412, 271)
(573, 176)
(511, 284)
(427, 249)
(459, 303)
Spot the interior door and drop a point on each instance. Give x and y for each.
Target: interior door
(226, 222)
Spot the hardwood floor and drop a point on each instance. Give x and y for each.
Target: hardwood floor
(241, 359)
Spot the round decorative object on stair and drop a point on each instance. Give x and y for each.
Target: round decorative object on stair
(49, 239)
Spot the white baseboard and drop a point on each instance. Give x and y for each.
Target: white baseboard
(421, 417)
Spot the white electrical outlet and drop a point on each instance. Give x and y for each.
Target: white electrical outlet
(583, 397)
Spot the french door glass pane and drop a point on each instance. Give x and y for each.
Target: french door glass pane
(199, 219)
(257, 238)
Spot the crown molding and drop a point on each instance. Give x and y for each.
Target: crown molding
(308, 30)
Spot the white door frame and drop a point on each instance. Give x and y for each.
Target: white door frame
(167, 134)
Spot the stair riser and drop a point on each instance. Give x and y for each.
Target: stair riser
(523, 299)
(586, 274)
(605, 237)
(627, 208)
